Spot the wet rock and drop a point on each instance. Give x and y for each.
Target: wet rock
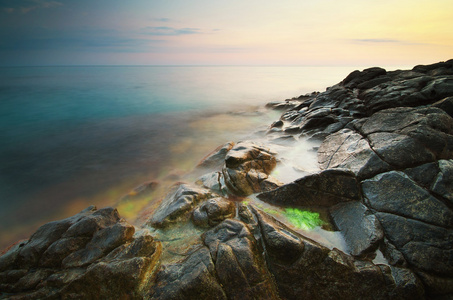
(215, 159)
(428, 129)
(359, 226)
(192, 278)
(97, 256)
(282, 245)
(215, 182)
(347, 149)
(394, 192)
(303, 269)
(247, 168)
(425, 246)
(140, 192)
(324, 189)
(390, 139)
(442, 184)
(213, 212)
(178, 205)
(239, 265)
(446, 105)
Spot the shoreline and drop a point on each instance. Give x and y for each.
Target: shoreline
(384, 149)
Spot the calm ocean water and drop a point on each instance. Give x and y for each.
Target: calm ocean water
(75, 136)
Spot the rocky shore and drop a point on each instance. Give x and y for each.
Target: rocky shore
(375, 221)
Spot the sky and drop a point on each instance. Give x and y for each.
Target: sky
(233, 32)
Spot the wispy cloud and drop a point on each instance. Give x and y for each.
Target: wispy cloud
(162, 19)
(27, 6)
(376, 41)
(384, 41)
(170, 31)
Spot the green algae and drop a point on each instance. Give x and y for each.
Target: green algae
(303, 219)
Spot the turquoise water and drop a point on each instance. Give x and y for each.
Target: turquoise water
(72, 136)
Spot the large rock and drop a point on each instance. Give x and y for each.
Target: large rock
(238, 262)
(247, 168)
(178, 205)
(94, 254)
(394, 192)
(390, 139)
(303, 269)
(359, 226)
(216, 158)
(324, 189)
(347, 149)
(193, 278)
(213, 212)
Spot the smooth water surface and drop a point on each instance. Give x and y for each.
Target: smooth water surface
(75, 136)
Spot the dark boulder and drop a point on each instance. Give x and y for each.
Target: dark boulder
(94, 254)
(213, 211)
(193, 278)
(359, 226)
(304, 269)
(324, 189)
(240, 268)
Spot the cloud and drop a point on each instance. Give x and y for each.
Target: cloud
(376, 41)
(385, 41)
(26, 6)
(161, 19)
(170, 31)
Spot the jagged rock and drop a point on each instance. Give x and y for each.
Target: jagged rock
(240, 268)
(247, 169)
(347, 149)
(326, 188)
(215, 182)
(213, 211)
(94, 254)
(193, 278)
(215, 159)
(446, 105)
(390, 139)
(394, 192)
(425, 246)
(359, 77)
(178, 205)
(303, 269)
(442, 185)
(359, 226)
(420, 135)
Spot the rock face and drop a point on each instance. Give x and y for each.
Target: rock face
(247, 169)
(324, 189)
(393, 131)
(178, 205)
(94, 254)
(386, 161)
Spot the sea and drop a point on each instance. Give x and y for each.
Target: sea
(74, 136)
